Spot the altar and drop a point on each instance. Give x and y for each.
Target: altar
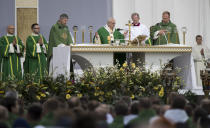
(153, 57)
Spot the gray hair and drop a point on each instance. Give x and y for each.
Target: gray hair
(64, 15)
(134, 14)
(12, 93)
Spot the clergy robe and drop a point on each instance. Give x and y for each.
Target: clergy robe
(11, 65)
(173, 37)
(59, 34)
(103, 33)
(137, 30)
(35, 60)
(198, 61)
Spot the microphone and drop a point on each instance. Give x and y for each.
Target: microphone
(119, 29)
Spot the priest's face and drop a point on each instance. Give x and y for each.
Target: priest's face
(111, 24)
(165, 18)
(11, 29)
(63, 21)
(135, 19)
(199, 40)
(36, 29)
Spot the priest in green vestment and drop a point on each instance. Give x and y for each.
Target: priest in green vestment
(108, 34)
(36, 54)
(59, 35)
(164, 32)
(12, 49)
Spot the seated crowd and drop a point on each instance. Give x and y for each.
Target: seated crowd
(147, 112)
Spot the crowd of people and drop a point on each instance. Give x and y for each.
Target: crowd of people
(146, 112)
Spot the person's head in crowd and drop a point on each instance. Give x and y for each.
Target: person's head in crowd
(79, 111)
(199, 39)
(34, 113)
(50, 105)
(3, 114)
(12, 93)
(101, 111)
(161, 122)
(171, 96)
(62, 102)
(155, 100)
(64, 118)
(178, 102)
(11, 104)
(85, 121)
(144, 103)
(121, 108)
(188, 108)
(92, 105)
(165, 16)
(127, 99)
(63, 19)
(198, 114)
(201, 118)
(205, 104)
(84, 102)
(73, 102)
(134, 108)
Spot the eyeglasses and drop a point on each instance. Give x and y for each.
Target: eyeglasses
(36, 28)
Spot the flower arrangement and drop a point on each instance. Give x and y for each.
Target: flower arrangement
(103, 84)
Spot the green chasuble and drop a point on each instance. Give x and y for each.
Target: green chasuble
(59, 34)
(11, 68)
(103, 34)
(36, 62)
(172, 37)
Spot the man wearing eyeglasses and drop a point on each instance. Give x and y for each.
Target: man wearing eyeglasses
(36, 54)
(12, 49)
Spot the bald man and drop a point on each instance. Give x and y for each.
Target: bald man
(108, 34)
(12, 49)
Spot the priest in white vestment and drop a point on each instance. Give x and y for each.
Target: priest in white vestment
(200, 52)
(137, 28)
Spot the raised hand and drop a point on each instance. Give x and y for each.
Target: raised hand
(97, 36)
(14, 42)
(40, 41)
(161, 32)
